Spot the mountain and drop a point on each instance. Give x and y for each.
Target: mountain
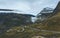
(45, 13)
(47, 10)
(53, 23)
(50, 28)
(11, 19)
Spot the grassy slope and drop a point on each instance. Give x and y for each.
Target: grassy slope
(52, 23)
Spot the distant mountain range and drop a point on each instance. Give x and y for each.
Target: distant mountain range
(47, 10)
(44, 14)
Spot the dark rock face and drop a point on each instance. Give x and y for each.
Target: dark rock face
(57, 9)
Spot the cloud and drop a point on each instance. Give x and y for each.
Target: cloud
(14, 5)
(28, 6)
(22, 6)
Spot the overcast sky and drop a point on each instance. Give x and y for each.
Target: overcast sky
(28, 6)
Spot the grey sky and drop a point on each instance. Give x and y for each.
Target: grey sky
(28, 6)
